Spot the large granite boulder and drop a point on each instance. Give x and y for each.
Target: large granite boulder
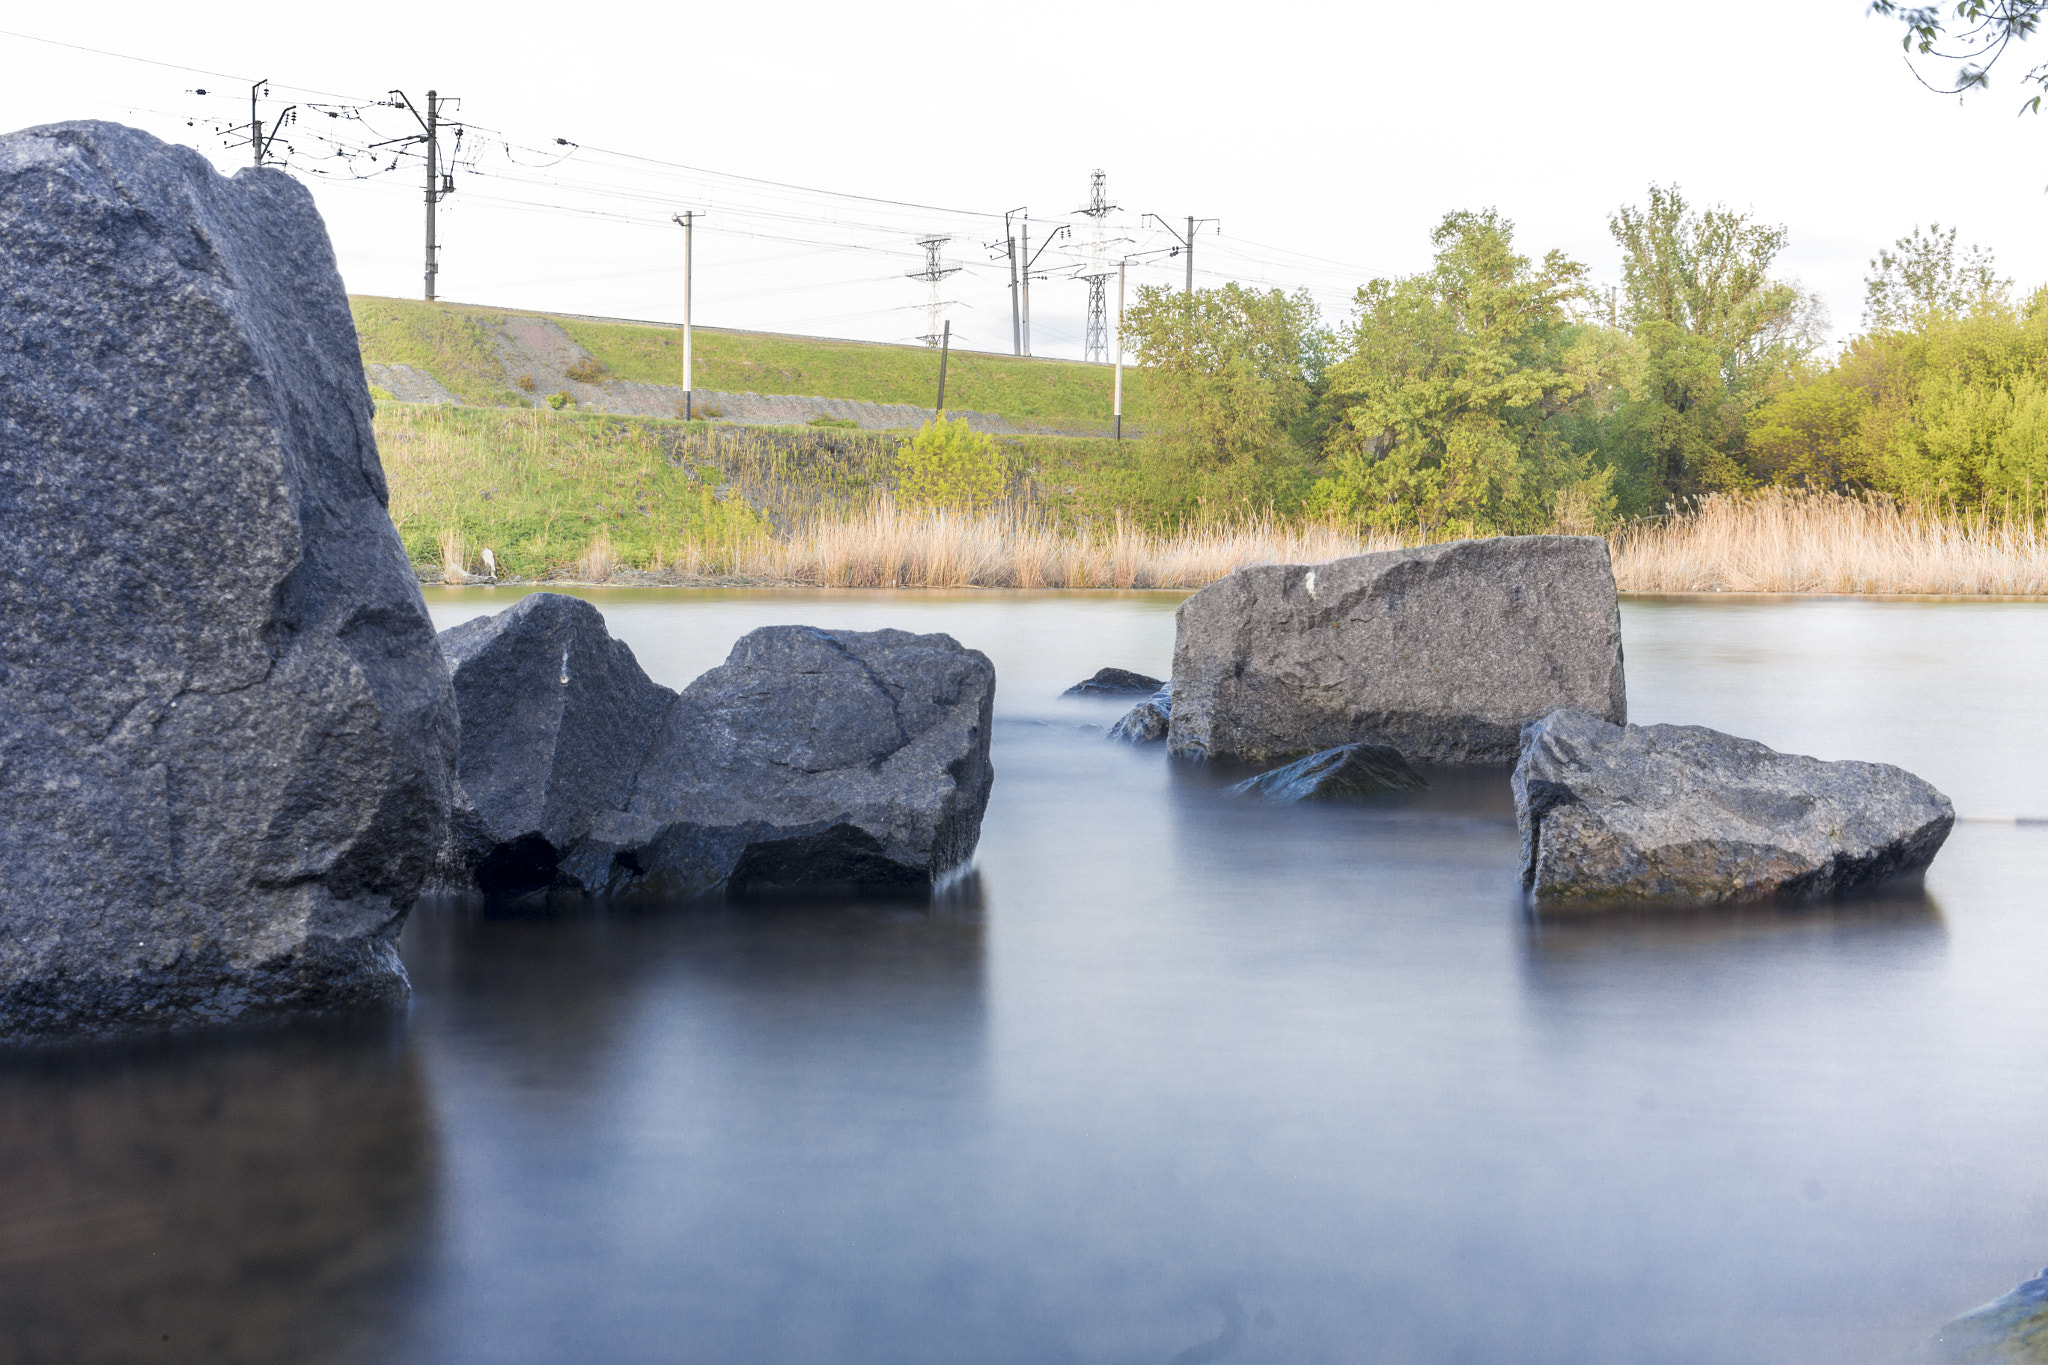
(556, 721)
(1114, 682)
(1342, 773)
(1147, 722)
(1444, 652)
(226, 738)
(1682, 812)
(810, 762)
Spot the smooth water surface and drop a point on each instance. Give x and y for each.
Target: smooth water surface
(1171, 1079)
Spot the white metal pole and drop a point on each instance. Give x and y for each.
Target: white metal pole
(1120, 350)
(689, 220)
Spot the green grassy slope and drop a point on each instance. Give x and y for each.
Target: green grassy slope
(448, 341)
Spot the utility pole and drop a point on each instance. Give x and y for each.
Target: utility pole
(688, 218)
(256, 121)
(260, 144)
(1024, 273)
(1119, 390)
(433, 184)
(945, 346)
(440, 183)
(1187, 243)
(1016, 310)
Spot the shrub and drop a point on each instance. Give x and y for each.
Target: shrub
(526, 382)
(380, 394)
(588, 370)
(821, 420)
(561, 400)
(949, 464)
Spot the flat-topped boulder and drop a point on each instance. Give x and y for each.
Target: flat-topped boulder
(1114, 682)
(1344, 773)
(1442, 652)
(810, 762)
(226, 736)
(1681, 812)
(557, 717)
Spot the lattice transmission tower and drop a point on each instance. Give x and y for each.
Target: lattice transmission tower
(1095, 343)
(934, 271)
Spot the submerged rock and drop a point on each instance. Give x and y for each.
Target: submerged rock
(556, 721)
(1688, 813)
(1147, 722)
(2010, 1330)
(226, 737)
(1114, 682)
(1443, 652)
(810, 763)
(1350, 770)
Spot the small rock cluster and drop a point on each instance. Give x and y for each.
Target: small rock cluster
(809, 763)
(1509, 651)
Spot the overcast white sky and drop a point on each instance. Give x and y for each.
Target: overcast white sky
(1327, 138)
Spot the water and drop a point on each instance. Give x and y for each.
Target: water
(1173, 1079)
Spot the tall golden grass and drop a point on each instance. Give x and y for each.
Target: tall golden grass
(1784, 541)
(884, 546)
(1773, 541)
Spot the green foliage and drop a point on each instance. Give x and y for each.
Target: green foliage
(561, 400)
(949, 464)
(1233, 374)
(838, 423)
(1445, 400)
(380, 394)
(1716, 334)
(1922, 279)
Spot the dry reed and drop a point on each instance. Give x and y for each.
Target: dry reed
(453, 557)
(1791, 542)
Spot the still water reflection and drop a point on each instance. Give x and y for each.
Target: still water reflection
(1173, 1079)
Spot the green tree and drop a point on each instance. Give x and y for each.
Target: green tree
(1717, 332)
(1919, 277)
(949, 464)
(1976, 34)
(1230, 375)
(1442, 406)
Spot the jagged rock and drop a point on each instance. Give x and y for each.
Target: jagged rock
(1147, 722)
(1114, 682)
(809, 762)
(556, 721)
(226, 738)
(2010, 1330)
(1350, 770)
(1687, 813)
(1443, 652)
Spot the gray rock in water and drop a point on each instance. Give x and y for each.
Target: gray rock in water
(1444, 652)
(1687, 813)
(557, 717)
(226, 737)
(1350, 770)
(1114, 682)
(1147, 722)
(809, 762)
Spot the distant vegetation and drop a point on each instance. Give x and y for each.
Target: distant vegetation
(450, 341)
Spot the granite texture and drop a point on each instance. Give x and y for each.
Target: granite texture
(1681, 812)
(1443, 653)
(1114, 682)
(226, 738)
(809, 763)
(556, 720)
(1350, 770)
(1147, 722)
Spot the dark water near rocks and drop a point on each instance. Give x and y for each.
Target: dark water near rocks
(1174, 1079)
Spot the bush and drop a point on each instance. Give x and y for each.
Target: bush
(561, 400)
(588, 370)
(821, 420)
(526, 382)
(949, 464)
